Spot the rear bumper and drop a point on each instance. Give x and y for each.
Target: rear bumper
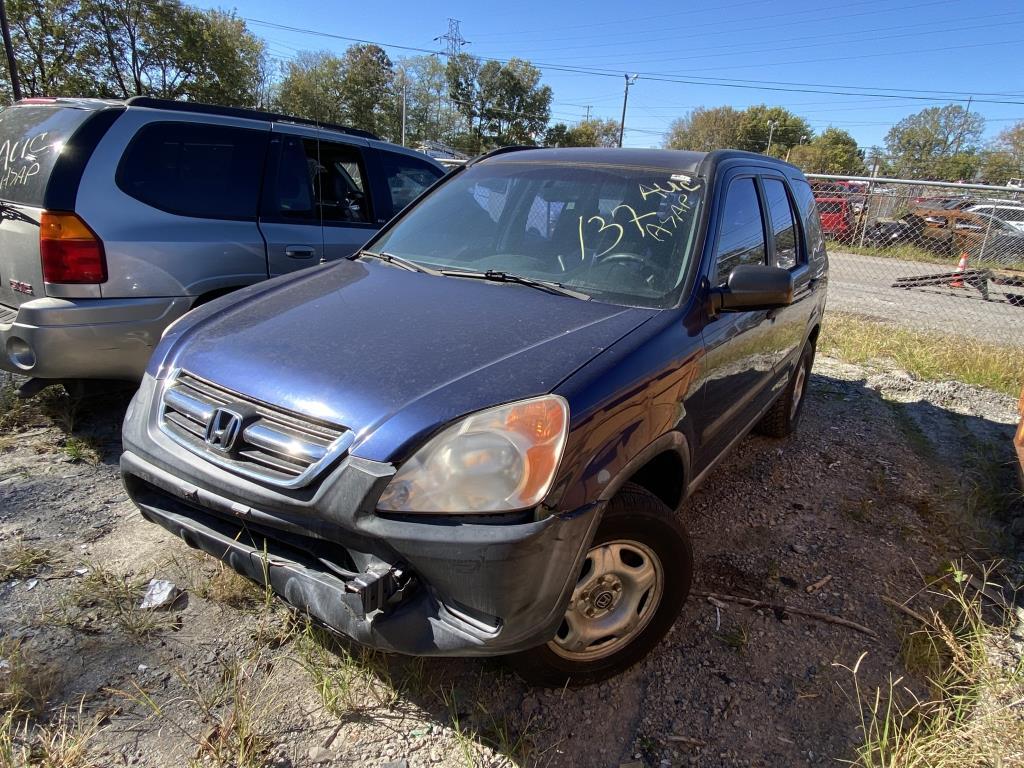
(53, 338)
(465, 588)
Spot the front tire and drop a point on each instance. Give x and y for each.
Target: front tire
(633, 583)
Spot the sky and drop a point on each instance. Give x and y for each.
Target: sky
(898, 56)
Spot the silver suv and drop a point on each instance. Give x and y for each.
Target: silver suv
(117, 217)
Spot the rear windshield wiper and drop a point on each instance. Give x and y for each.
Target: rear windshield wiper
(398, 261)
(496, 276)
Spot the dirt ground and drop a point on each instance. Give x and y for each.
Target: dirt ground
(887, 481)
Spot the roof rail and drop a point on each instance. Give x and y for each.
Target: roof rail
(253, 114)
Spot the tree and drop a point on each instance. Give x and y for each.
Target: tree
(1004, 158)
(501, 103)
(834, 151)
(366, 89)
(49, 49)
(311, 87)
(786, 130)
(428, 111)
(587, 133)
(936, 143)
(705, 129)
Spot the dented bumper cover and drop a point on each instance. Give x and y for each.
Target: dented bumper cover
(421, 585)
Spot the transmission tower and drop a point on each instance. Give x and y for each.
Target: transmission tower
(453, 39)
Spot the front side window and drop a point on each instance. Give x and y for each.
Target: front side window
(620, 234)
(783, 230)
(407, 178)
(741, 233)
(317, 182)
(192, 169)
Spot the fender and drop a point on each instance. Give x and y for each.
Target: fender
(670, 441)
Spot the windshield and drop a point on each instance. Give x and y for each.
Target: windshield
(1010, 214)
(623, 235)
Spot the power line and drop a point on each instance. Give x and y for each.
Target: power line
(765, 85)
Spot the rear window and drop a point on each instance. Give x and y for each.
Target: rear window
(192, 169)
(31, 140)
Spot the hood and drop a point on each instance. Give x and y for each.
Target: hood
(389, 353)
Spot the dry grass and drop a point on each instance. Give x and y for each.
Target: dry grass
(105, 600)
(346, 680)
(972, 718)
(235, 710)
(22, 561)
(858, 339)
(63, 742)
(26, 683)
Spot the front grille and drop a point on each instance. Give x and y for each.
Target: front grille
(247, 436)
(7, 315)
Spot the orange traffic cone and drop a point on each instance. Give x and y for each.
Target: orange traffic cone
(958, 281)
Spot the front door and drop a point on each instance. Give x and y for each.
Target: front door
(739, 359)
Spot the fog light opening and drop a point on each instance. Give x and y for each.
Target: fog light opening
(20, 353)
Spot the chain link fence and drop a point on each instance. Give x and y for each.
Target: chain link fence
(930, 256)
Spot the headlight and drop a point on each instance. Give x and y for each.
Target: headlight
(497, 460)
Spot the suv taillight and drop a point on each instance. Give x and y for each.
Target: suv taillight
(70, 251)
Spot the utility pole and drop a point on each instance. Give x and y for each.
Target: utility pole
(771, 132)
(588, 113)
(963, 126)
(630, 79)
(12, 64)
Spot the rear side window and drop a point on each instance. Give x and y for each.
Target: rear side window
(407, 178)
(741, 233)
(31, 138)
(191, 169)
(783, 230)
(317, 181)
(805, 204)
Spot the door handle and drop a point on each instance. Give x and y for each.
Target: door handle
(299, 251)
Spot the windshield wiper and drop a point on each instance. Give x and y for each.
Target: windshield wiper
(398, 261)
(496, 276)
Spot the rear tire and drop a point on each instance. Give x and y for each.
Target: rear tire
(632, 587)
(784, 415)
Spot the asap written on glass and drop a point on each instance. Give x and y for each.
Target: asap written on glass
(659, 224)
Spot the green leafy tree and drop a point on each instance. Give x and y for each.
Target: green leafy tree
(705, 129)
(366, 89)
(587, 133)
(50, 50)
(936, 143)
(501, 103)
(1004, 158)
(174, 51)
(834, 151)
(786, 130)
(429, 114)
(311, 87)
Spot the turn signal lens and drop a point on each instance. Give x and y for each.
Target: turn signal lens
(70, 251)
(498, 460)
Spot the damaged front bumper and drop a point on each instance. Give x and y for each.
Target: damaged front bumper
(416, 585)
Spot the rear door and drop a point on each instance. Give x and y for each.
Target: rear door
(739, 354)
(316, 203)
(32, 138)
(407, 178)
(787, 250)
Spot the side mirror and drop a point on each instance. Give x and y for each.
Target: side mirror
(754, 286)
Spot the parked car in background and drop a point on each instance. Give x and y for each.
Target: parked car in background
(489, 459)
(837, 217)
(119, 216)
(1010, 214)
(985, 237)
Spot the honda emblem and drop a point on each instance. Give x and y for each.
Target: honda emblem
(223, 429)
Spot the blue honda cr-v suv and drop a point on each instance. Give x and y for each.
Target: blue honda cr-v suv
(475, 436)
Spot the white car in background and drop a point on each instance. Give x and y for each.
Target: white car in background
(1013, 215)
